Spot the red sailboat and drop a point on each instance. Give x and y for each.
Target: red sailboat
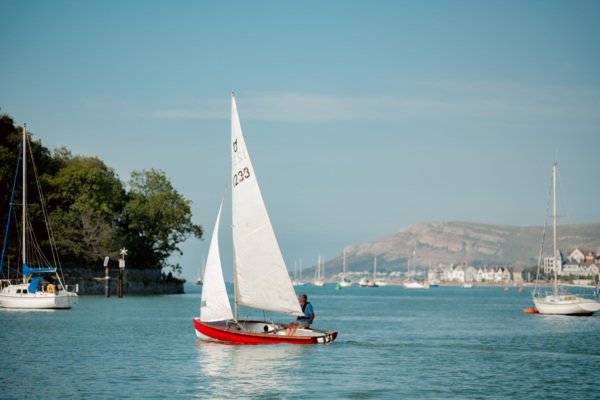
(261, 279)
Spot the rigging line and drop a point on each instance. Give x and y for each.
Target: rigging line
(535, 288)
(563, 203)
(52, 241)
(19, 251)
(43, 204)
(565, 208)
(36, 248)
(12, 196)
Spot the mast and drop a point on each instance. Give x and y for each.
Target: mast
(296, 270)
(344, 261)
(375, 269)
(236, 310)
(319, 268)
(235, 282)
(24, 214)
(554, 229)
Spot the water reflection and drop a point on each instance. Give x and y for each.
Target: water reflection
(228, 371)
(28, 310)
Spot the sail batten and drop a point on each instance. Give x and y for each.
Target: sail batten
(261, 276)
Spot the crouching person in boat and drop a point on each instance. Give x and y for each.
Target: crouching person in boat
(304, 321)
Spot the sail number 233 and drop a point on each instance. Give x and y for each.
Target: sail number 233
(240, 176)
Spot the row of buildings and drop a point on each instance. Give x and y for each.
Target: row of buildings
(577, 262)
(467, 273)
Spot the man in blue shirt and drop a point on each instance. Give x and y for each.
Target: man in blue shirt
(304, 321)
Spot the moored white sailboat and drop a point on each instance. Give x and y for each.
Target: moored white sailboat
(39, 286)
(366, 282)
(413, 283)
(261, 279)
(559, 302)
(298, 281)
(344, 281)
(319, 273)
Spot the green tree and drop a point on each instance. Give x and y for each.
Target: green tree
(91, 215)
(86, 200)
(156, 219)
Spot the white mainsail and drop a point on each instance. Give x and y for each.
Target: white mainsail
(214, 304)
(261, 276)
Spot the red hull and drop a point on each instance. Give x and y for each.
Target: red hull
(222, 333)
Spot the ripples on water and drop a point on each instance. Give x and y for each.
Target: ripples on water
(393, 343)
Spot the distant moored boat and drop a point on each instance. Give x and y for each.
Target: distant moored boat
(41, 284)
(559, 301)
(365, 282)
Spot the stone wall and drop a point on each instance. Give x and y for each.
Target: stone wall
(136, 281)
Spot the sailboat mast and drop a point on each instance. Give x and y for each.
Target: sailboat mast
(24, 215)
(319, 268)
(235, 290)
(375, 269)
(234, 120)
(554, 229)
(344, 261)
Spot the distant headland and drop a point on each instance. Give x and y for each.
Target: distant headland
(478, 244)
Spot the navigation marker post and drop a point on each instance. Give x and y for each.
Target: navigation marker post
(123, 253)
(106, 277)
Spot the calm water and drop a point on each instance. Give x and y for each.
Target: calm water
(393, 343)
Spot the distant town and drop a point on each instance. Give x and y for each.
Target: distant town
(577, 266)
(578, 263)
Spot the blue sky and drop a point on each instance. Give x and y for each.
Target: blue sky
(361, 117)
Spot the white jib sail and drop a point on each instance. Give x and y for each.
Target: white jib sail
(262, 279)
(214, 305)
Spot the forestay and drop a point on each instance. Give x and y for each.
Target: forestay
(214, 304)
(261, 277)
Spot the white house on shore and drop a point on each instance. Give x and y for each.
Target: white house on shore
(467, 273)
(579, 262)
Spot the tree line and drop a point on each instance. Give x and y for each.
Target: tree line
(91, 212)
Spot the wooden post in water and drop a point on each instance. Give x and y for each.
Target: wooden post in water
(120, 281)
(120, 284)
(106, 277)
(121, 270)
